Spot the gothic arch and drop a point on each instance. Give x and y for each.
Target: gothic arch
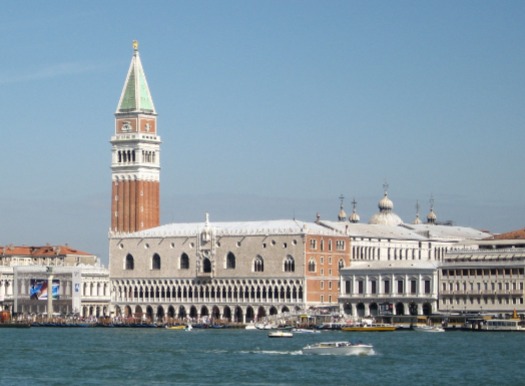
(155, 262)
(230, 261)
(184, 261)
(129, 262)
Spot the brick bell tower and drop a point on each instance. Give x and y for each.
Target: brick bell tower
(135, 161)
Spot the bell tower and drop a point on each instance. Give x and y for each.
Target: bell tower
(135, 160)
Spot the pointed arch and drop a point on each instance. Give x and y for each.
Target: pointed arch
(130, 262)
(258, 264)
(289, 264)
(230, 261)
(184, 261)
(155, 262)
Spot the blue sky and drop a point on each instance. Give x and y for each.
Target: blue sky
(267, 110)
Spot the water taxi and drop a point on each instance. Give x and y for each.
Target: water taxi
(503, 325)
(427, 328)
(339, 348)
(280, 334)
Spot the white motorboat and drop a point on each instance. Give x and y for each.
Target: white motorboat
(426, 328)
(305, 331)
(280, 334)
(339, 348)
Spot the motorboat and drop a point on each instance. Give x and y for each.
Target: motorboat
(305, 331)
(374, 327)
(177, 327)
(339, 348)
(426, 328)
(503, 325)
(180, 327)
(280, 334)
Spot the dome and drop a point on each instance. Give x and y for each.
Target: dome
(432, 217)
(385, 203)
(354, 217)
(385, 216)
(342, 215)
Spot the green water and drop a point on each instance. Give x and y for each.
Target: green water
(115, 356)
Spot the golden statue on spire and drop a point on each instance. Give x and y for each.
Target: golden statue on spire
(135, 45)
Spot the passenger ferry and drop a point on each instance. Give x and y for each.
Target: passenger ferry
(503, 325)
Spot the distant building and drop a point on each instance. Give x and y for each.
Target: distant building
(394, 266)
(488, 280)
(80, 283)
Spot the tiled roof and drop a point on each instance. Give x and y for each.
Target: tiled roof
(513, 235)
(40, 251)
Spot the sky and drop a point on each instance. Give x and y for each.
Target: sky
(266, 110)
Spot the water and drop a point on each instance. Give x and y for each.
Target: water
(118, 356)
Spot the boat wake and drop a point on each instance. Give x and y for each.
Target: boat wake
(273, 352)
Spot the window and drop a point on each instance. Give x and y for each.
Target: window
(427, 286)
(184, 261)
(230, 261)
(373, 286)
(155, 262)
(258, 264)
(400, 287)
(130, 263)
(413, 286)
(360, 287)
(387, 286)
(340, 245)
(313, 244)
(322, 285)
(348, 287)
(289, 264)
(311, 266)
(206, 265)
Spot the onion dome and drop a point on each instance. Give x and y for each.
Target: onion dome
(342, 214)
(385, 216)
(385, 203)
(431, 216)
(354, 217)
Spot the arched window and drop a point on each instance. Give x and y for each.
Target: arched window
(341, 264)
(230, 261)
(311, 265)
(206, 266)
(155, 262)
(258, 264)
(289, 264)
(130, 263)
(184, 261)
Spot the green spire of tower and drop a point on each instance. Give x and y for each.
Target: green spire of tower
(135, 95)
